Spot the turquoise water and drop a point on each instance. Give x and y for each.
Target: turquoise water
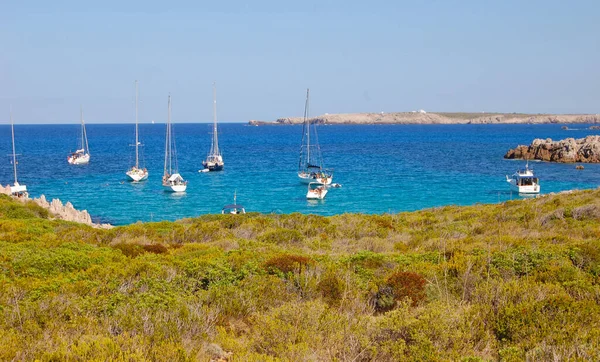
(382, 168)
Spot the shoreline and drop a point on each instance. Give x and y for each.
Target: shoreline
(58, 210)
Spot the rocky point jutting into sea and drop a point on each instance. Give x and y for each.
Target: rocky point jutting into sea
(422, 117)
(63, 212)
(568, 150)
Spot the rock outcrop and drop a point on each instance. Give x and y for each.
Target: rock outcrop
(59, 211)
(422, 117)
(567, 151)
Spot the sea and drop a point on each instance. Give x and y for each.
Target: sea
(381, 168)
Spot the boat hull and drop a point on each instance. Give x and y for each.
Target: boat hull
(18, 190)
(81, 160)
(175, 188)
(307, 178)
(137, 175)
(212, 166)
(528, 189)
(316, 194)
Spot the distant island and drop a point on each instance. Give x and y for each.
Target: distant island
(423, 117)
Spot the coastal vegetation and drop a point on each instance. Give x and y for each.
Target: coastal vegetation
(510, 282)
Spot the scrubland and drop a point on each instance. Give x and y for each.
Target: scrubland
(508, 282)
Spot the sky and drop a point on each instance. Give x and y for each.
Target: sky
(355, 56)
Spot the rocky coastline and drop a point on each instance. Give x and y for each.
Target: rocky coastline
(422, 117)
(59, 210)
(570, 150)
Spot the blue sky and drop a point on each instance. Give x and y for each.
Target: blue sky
(355, 56)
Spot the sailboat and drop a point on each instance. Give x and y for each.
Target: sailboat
(17, 189)
(172, 181)
(310, 166)
(135, 173)
(214, 160)
(82, 155)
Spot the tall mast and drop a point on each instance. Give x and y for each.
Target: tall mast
(136, 126)
(170, 150)
(167, 137)
(84, 142)
(214, 151)
(12, 128)
(307, 128)
(81, 120)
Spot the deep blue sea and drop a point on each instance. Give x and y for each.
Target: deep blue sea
(382, 168)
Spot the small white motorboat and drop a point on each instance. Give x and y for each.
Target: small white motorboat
(316, 191)
(524, 181)
(234, 209)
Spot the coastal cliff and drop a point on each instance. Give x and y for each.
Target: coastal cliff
(569, 150)
(422, 117)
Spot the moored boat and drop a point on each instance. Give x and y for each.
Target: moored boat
(172, 180)
(82, 155)
(316, 191)
(524, 181)
(214, 160)
(17, 190)
(310, 165)
(136, 173)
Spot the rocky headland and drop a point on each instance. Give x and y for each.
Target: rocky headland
(569, 150)
(59, 210)
(422, 117)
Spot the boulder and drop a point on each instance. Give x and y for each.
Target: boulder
(568, 150)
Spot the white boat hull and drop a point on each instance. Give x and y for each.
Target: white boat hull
(137, 175)
(316, 194)
(18, 190)
(527, 189)
(175, 188)
(308, 178)
(81, 160)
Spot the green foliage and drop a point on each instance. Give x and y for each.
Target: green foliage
(287, 263)
(508, 282)
(281, 236)
(407, 285)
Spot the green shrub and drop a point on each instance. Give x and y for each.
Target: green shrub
(281, 236)
(155, 248)
(409, 285)
(287, 263)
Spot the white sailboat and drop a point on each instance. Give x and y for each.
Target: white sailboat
(135, 173)
(172, 181)
(82, 155)
(17, 189)
(214, 160)
(310, 166)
